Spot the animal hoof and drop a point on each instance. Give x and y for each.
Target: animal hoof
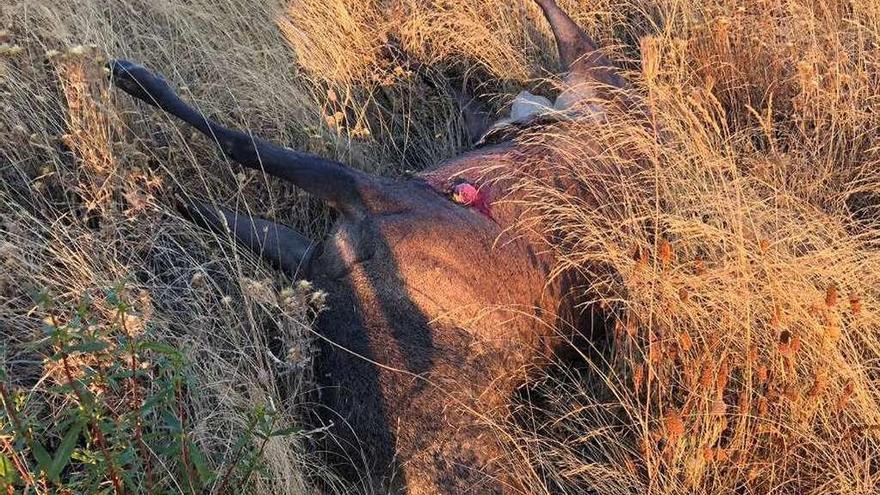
(136, 80)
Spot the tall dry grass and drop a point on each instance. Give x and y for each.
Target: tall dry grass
(737, 250)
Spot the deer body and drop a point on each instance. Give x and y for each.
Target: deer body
(436, 310)
(446, 376)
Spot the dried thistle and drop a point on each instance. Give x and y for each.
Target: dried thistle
(752, 354)
(776, 318)
(638, 378)
(674, 426)
(198, 280)
(845, 396)
(744, 403)
(855, 303)
(707, 380)
(684, 294)
(665, 253)
(820, 382)
(831, 296)
(684, 341)
(723, 376)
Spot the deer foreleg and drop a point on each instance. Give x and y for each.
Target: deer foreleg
(280, 245)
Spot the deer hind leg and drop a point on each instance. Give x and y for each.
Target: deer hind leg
(280, 245)
(583, 64)
(152, 88)
(475, 114)
(340, 187)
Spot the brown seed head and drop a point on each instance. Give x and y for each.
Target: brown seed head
(684, 341)
(638, 377)
(723, 376)
(831, 296)
(674, 426)
(786, 345)
(832, 329)
(763, 373)
(763, 406)
(631, 327)
(665, 253)
(776, 318)
(198, 280)
(706, 378)
(683, 294)
(708, 453)
(744, 403)
(752, 356)
(713, 341)
(641, 257)
(819, 384)
(855, 303)
(845, 396)
(655, 352)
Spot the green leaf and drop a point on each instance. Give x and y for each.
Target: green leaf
(62, 456)
(112, 297)
(286, 431)
(127, 456)
(49, 329)
(163, 349)
(123, 375)
(88, 347)
(158, 399)
(42, 298)
(8, 476)
(41, 455)
(198, 460)
(84, 456)
(172, 422)
(82, 307)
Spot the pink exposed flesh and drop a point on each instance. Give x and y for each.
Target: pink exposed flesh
(468, 195)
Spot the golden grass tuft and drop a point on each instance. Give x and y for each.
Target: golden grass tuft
(736, 245)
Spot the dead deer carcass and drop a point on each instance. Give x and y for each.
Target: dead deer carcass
(431, 319)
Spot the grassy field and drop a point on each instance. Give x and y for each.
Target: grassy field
(744, 242)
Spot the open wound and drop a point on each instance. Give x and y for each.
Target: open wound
(467, 194)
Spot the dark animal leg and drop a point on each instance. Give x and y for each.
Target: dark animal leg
(342, 187)
(280, 245)
(475, 113)
(578, 53)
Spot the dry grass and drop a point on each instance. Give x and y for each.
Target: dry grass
(743, 239)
